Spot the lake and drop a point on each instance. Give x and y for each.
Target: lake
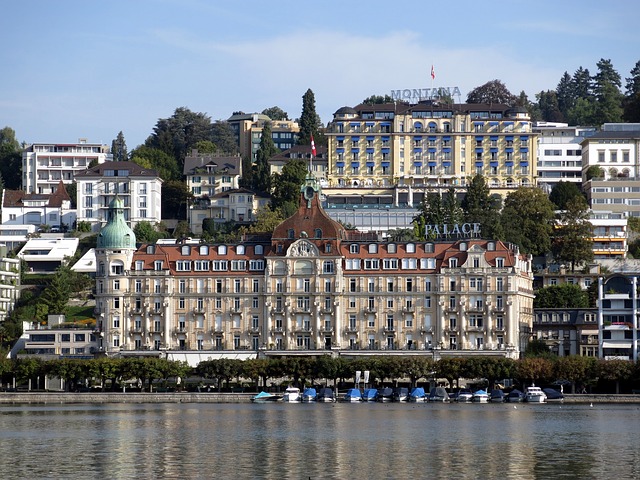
(298, 441)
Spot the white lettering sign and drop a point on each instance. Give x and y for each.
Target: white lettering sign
(447, 230)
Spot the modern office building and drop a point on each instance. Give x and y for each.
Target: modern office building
(44, 165)
(618, 303)
(312, 287)
(247, 129)
(139, 188)
(397, 152)
(559, 153)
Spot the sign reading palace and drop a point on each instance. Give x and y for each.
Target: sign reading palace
(448, 230)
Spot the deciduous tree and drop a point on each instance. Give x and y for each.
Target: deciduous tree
(493, 91)
(527, 220)
(275, 113)
(573, 232)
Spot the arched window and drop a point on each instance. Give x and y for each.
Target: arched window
(418, 126)
(318, 233)
(291, 233)
(258, 249)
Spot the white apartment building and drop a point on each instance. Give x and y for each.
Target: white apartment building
(139, 188)
(45, 164)
(53, 209)
(616, 152)
(560, 153)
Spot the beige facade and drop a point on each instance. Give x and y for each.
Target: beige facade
(311, 287)
(406, 150)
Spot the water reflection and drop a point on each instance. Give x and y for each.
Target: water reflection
(283, 441)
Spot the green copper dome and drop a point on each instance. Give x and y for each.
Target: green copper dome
(116, 233)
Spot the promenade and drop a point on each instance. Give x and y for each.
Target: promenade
(189, 397)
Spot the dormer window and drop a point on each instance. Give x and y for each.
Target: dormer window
(318, 233)
(463, 246)
(204, 250)
(240, 249)
(258, 249)
(411, 248)
(354, 248)
(373, 248)
(428, 248)
(453, 263)
(500, 262)
(391, 248)
(185, 249)
(222, 249)
(291, 234)
(151, 249)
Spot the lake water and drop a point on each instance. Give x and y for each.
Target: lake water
(320, 441)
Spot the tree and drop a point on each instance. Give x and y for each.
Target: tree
(309, 119)
(548, 106)
(576, 369)
(573, 233)
(266, 150)
(275, 113)
(594, 171)
(145, 233)
(481, 207)
(631, 101)
(583, 112)
(10, 160)
(606, 87)
(287, 184)
(562, 192)
(223, 138)
(266, 221)
(430, 212)
(206, 147)
(566, 295)
(119, 148)
(565, 94)
(451, 207)
(527, 219)
(493, 91)
(176, 197)
(166, 165)
(178, 134)
(56, 296)
(377, 99)
(72, 190)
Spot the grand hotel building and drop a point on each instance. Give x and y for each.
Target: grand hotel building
(311, 287)
(398, 152)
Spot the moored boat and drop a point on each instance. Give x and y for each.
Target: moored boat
(326, 395)
(553, 395)
(497, 396)
(309, 395)
(439, 394)
(418, 395)
(384, 394)
(400, 394)
(264, 397)
(535, 394)
(465, 396)
(291, 394)
(369, 395)
(480, 396)
(515, 396)
(353, 395)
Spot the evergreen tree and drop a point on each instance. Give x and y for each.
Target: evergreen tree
(527, 220)
(10, 159)
(377, 99)
(562, 192)
(573, 233)
(119, 148)
(606, 87)
(287, 185)
(632, 98)
(223, 138)
(565, 94)
(56, 296)
(309, 120)
(581, 84)
(548, 106)
(451, 208)
(266, 150)
(430, 212)
(481, 207)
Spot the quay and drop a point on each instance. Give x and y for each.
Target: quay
(212, 397)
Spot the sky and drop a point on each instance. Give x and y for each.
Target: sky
(90, 69)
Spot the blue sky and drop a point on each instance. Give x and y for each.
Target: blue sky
(88, 69)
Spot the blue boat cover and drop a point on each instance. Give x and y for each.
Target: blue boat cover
(418, 392)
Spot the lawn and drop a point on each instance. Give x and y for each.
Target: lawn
(81, 314)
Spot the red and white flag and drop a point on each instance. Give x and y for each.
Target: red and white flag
(433, 73)
(313, 146)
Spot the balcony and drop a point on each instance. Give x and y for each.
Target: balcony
(371, 310)
(180, 330)
(389, 329)
(351, 329)
(408, 309)
(326, 329)
(425, 330)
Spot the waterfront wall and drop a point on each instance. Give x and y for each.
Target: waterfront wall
(188, 397)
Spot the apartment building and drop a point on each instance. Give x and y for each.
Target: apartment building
(44, 165)
(247, 129)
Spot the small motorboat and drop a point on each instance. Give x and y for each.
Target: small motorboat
(326, 395)
(553, 395)
(384, 394)
(353, 395)
(400, 394)
(370, 395)
(264, 397)
(480, 396)
(291, 394)
(515, 396)
(418, 395)
(465, 395)
(535, 395)
(497, 396)
(439, 394)
(309, 395)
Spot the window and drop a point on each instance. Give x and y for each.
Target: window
(327, 266)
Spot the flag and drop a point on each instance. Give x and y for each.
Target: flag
(313, 147)
(433, 73)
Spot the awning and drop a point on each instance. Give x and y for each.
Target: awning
(355, 138)
(417, 164)
(417, 149)
(493, 123)
(386, 150)
(446, 150)
(385, 138)
(385, 164)
(369, 124)
(508, 150)
(617, 344)
(355, 150)
(370, 138)
(355, 124)
(371, 164)
(508, 164)
(432, 164)
(432, 150)
(432, 139)
(340, 164)
(340, 138)
(479, 138)
(493, 164)
(493, 150)
(479, 150)
(417, 139)
(386, 124)
(479, 164)
(524, 149)
(524, 164)
(339, 150)
(509, 138)
(370, 150)
(355, 164)
(524, 138)
(446, 138)
(493, 137)
(446, 164)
